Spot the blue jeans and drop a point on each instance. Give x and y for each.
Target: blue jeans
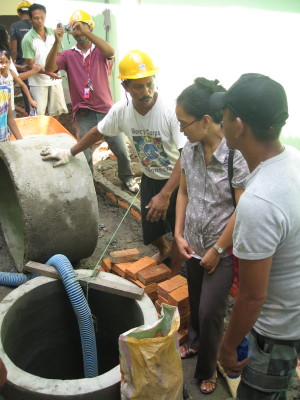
(86, 119)
(270, 370)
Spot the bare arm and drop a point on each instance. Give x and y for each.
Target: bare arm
(51, 65)
(159, 204)
(253, 289)
(30, 63)
(12, 124)
(87, 141)
(24, 88)
(13, 49)
(26, 74)
(181, 204)
(102, 45)
(212, 257)
(64, 156)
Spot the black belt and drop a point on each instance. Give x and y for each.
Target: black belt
(266, 343)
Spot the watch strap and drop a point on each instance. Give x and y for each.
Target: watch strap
(218, 249)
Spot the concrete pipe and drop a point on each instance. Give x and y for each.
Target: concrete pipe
(45, 210)
(40, 343)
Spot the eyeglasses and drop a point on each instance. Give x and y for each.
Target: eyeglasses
(183, 127)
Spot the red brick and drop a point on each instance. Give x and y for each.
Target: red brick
(163, 288)
(180, 298)
(106, 265)
(156, 273)
(120, 268)
(99, 187)
(184, 321)
(162, 299)
(138, 266)
(157, 306)
(147, 288)
(111, 196)
(153, 296)
(122, 256)
(123, 204)
(136, 214)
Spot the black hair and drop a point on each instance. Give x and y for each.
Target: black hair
(195, 99)
(260, 134)
(23, 12)
(5, 53)
(4, 39)
(127, 81)
(34, 7)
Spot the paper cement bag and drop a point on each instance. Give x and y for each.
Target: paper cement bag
(150, 361)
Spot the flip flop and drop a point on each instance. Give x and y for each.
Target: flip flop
(187, 352)
(213, 381)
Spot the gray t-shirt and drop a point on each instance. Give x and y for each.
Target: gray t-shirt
(16, 32)
(210, 201)
(268, 225)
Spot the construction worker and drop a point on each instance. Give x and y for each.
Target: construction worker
(88, 66)
(16, 33)
(153, 130)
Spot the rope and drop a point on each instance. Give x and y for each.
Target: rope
(96, 271)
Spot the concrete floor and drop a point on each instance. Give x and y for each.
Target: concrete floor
(221, 393)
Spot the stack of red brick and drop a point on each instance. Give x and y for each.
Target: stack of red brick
(155, 279)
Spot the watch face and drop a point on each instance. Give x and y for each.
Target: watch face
(218, 249)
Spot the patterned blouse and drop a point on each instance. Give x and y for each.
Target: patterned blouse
(210, 202)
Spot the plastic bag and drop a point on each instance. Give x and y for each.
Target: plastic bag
(150, 362)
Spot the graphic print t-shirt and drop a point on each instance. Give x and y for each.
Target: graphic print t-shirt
(155, 136)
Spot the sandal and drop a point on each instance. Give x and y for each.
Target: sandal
(187, 352)
(132, 185)
(212, 381)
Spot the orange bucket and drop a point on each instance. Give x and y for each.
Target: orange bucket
(39, 125)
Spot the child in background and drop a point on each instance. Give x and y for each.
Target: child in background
(7, 122)
(8, 77)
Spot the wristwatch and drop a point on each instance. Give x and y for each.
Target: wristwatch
(218, 249)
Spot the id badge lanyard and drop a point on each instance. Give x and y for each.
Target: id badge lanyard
(88, 84)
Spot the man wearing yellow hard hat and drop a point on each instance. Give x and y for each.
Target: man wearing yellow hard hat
(16, 33)
(88, 65)
(153, 130)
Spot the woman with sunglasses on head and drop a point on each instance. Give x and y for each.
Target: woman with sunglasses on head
(204, 223)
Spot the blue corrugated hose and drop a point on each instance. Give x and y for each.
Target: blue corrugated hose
(82, 311)
(14, 280)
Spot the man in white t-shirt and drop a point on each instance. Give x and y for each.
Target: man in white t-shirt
(265, 239)
(46, 87)
(153, 130)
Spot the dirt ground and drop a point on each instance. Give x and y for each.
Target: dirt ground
(127, 236)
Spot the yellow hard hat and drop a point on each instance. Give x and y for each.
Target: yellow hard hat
(24, 5)
(82, 16)
(136, 65)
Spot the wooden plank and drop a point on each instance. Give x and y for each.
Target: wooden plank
(97, 283)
